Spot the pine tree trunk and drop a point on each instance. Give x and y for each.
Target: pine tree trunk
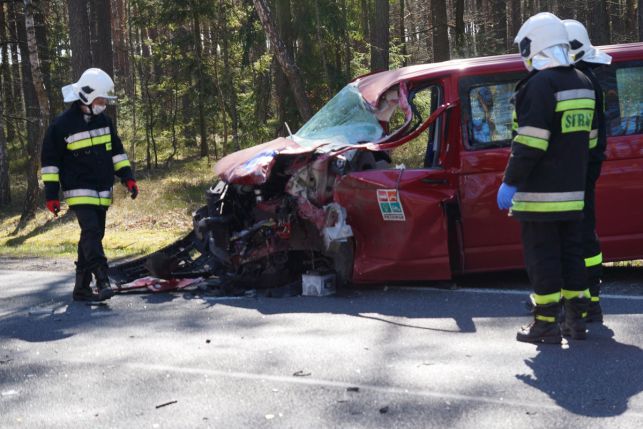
(499, 20)
(5, 72)
(403, 49)
(283, 98)
(640, 19)
(5, 189)
(322, 49)
(119, 34)
(221, 101)
(365, 7)
(528, 9)
(231, 94)
(516, 22)
(380, 36)
(198, 49)
(599, 29)
(459, 27)
(131, 79)
(143, 72)
(348, 55)
(38, 117)
(16, 106)
(102, 51)
(440, 30)
(81, 53)
(285, 60)
(630, 20)
(41, 10)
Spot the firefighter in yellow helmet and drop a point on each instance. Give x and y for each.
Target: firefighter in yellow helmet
(81, 153)
(544, 181)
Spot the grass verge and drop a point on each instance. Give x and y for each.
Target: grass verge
(161, 214)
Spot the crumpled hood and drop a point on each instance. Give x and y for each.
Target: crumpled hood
(252, 166)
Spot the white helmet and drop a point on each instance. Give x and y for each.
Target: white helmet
(93, 83)
(540, 32)
(580, 46)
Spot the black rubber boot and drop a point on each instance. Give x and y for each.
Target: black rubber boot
(544, 328)
(595, 312)
(105, 290)
(82, 290)
(575, 314)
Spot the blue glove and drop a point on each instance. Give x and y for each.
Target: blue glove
(505, 194)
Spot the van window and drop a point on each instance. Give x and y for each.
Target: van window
(421, 151)
(624, 102)
(491, 111)
(487, 110)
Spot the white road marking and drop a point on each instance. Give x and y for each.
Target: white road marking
(506, 292)
(343, 385)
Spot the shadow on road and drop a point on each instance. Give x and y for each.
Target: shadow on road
(52, 322)
(600, 389)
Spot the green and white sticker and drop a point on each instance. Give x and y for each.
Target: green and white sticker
(390, 205)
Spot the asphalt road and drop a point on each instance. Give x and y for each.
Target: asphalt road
(384, 357)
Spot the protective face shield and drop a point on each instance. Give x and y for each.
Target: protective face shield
(543, 42)
(97, 109)
(581, 49)
(93, 83)
(555, 56)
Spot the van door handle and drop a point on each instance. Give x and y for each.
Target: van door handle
(431, 181)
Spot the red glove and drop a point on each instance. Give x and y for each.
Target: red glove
(132, 188)
(53, 206)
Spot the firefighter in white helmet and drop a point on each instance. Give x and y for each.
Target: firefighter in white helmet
(544, 182)
(81, 153)
(586, 58)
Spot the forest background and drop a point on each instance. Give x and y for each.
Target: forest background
(199, 79)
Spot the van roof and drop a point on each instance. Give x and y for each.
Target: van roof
(371, 86)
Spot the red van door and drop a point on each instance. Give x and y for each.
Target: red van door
(398, 215)
(491, 239)
(399, 223)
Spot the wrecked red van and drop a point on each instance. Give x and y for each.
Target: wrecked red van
(395, 179)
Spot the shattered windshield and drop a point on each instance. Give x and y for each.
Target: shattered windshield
(346, 118)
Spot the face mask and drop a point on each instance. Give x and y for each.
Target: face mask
(554, 56)
(98, 109)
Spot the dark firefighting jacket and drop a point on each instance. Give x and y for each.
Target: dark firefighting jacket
(82, 158)
(598, 141)
(549, 153)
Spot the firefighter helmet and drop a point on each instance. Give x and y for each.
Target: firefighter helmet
(540, 32)
(93, 83)
(581, 49)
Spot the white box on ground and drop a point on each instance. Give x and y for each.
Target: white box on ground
(317, 284)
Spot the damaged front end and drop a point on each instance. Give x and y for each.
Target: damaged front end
(272, 215)
(268, 234)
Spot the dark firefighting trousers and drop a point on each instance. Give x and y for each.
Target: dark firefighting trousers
(92, 230)
(554, 255)
(591, 244)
